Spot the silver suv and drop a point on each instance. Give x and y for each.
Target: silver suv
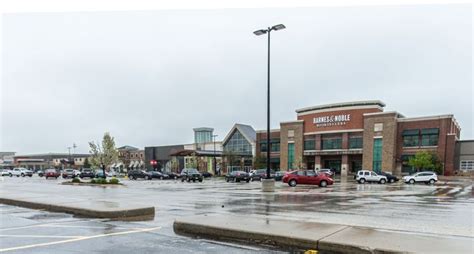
(370, 176)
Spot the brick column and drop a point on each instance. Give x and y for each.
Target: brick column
(344, 165)
(317, 140)
(449, 157)
(345, 140)
(317, 162)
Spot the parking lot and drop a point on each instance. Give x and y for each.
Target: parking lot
(444, 208)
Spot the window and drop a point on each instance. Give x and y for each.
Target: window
(310, 173)
(291, 154)
(366, 173)
(275, 146)
(411, 138)
(377, 155)
(263, 147)
(238, 144)
(429, 137)
(355, 142)
(331, 143)
(467, 165)
(310, 144)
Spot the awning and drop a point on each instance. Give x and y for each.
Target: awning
(430, 131)
(411, 132)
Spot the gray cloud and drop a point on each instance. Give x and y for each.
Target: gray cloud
(149, 77)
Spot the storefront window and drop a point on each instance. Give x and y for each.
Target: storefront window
(310, 144)
(275, 146)
(377, 155)
(407, 169)
(429, 137)
(355, 142)
(291, 155)
(411, 138)
(331, 143)
(263, 147)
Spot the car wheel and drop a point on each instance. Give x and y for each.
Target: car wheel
(22, 175)
(11, 175)
(56, 177)
(194, 180)
(227, 179)
(251, 179)
(248, 181)
(161, 178)
(323, 184)
(17, 175)
(432, 181)
(412, 181)
(382, 181)
(362, 180)
(292, 183)
(188, 180)
(392, 180)
(200, 180)
(182, 180)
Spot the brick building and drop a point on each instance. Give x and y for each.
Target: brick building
(358, 135)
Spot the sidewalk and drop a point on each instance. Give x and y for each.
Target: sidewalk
(82, 206)
(332, 238)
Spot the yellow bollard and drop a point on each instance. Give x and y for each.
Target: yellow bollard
(311, 252)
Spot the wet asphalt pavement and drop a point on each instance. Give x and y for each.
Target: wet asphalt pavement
(445, 208)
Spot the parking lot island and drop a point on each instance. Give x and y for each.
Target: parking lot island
(302, 235)
(86, 208)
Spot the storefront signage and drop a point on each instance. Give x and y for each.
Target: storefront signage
(331, 120)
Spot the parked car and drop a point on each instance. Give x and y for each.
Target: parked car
(111, 173)
(261, 173)
(190, 174)
(326, 171)
(158, 175)
(370, 176)
(77, 173)
(99, 173)
(307, 177)
(68, 173)
(51, 173)
(427, 177)
(279, 175)
(40, 173)
(172, 175)
(5, 172)
(206, 174)
(87, 172)
(21, 172)
(237, 176)
(135, 174)
(390, 178)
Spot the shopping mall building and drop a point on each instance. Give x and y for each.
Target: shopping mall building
(358, 135)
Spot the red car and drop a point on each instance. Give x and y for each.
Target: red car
(51, 173)
(307, 177)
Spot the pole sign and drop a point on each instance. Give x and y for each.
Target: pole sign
(331, 120)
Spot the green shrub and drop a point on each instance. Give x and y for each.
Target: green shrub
(93, 181)
(76, 180)
(101, 181)
(114, 181)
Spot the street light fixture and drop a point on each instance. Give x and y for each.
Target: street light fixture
(258, 33)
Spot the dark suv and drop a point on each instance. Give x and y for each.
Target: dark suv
(87, 172)
(135, 174)
(190, 174)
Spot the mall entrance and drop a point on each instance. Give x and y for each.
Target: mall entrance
(335, 165)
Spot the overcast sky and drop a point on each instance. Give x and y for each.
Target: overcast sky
(150, 77)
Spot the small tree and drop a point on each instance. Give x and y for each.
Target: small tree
(104, 155)
(259, 162)
(298, 164)
(87, 164)
(422, 160)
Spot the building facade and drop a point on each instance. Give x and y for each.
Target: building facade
(50, 160)
(465, 156)
(350, 136)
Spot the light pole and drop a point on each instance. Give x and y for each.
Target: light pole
(215, 162)
(261, 32)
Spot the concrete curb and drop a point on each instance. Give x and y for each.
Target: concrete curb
(93, 184)
(145, 213)
(327, 238)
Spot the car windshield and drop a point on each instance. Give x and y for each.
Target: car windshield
(69, 170)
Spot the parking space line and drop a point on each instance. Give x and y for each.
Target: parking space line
(43, 236)
(80, 239)
(46, 224)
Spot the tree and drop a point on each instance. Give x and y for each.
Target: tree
(103, 155)
(174, 164)
(87, 164)
(298, 164)
(426, 160)
(259, 162)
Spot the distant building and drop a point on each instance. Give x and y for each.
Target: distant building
(464, 155)
(50, 160)
(130, 158)
(6, 159)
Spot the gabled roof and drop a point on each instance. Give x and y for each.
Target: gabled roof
(246, 130)
(128, 148)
